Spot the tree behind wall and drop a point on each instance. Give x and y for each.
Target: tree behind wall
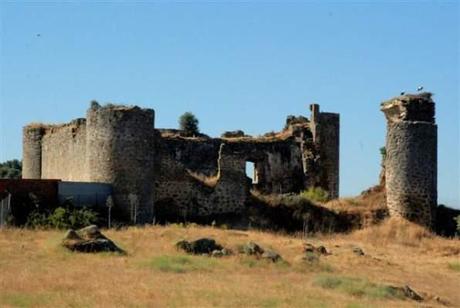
(11, 169)
(188, 123)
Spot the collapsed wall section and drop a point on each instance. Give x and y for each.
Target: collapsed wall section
(197, 178)
(219, 184)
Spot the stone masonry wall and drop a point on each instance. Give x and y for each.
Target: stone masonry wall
(32, 151)
(120, 151)
(330, 152)
(64, 152)
(148, 168)
(325, 129)
(178, 194)
(411, 159)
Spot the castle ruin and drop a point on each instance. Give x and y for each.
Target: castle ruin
(160, 170)
(411, 158)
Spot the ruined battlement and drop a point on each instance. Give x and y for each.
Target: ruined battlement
(410, 107)
(161, 169)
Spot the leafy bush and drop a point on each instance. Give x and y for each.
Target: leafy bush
(11, 169)
(188, 123)
(62, 218)
(383, 153)
(316, 194)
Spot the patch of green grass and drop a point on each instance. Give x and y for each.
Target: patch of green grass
(270, 302)
(253, 262)
(358, 287)
(181, 264)
(355, 305)
(455, 266)
(315, 194)
(22, 299)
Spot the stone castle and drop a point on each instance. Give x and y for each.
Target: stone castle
(160, 170)
(153, 170)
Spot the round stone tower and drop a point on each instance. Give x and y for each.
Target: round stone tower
(32, 151)
(411, 158)
(120, 151)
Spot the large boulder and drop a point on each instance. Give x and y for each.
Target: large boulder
(252, 248)
(319, 250)
(89, 239)
(200, 246)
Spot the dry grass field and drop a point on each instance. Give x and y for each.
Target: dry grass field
(36, 272)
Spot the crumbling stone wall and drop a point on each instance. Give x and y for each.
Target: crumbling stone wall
(411, 158)
(325, 129)
(199, 176)
(179, 194)
(64, 151)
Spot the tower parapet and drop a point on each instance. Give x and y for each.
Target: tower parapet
(411, 157)
(120, 151)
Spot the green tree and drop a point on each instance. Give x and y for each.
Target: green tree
(11, 169)
(188, 123)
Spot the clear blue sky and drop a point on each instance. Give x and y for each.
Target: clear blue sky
(236, 65)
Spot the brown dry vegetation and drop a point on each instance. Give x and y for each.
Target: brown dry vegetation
(210, 181)
(36, 272)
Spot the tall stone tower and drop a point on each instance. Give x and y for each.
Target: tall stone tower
(411, 159)
(32, 151)
(325, 128)
(120, 151)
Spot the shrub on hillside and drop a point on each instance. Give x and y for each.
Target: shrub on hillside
(315, 194)
(62, 218)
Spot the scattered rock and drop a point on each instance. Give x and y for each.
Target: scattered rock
(217, 253)
(308, 257)
(226, 252)
(358, 251)
(271, 255)
(321, 250)
(89, 239)
(200, 246)
(410, 293)
(71, 235)
(252, 248)
(90, 232)
(441, 301)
